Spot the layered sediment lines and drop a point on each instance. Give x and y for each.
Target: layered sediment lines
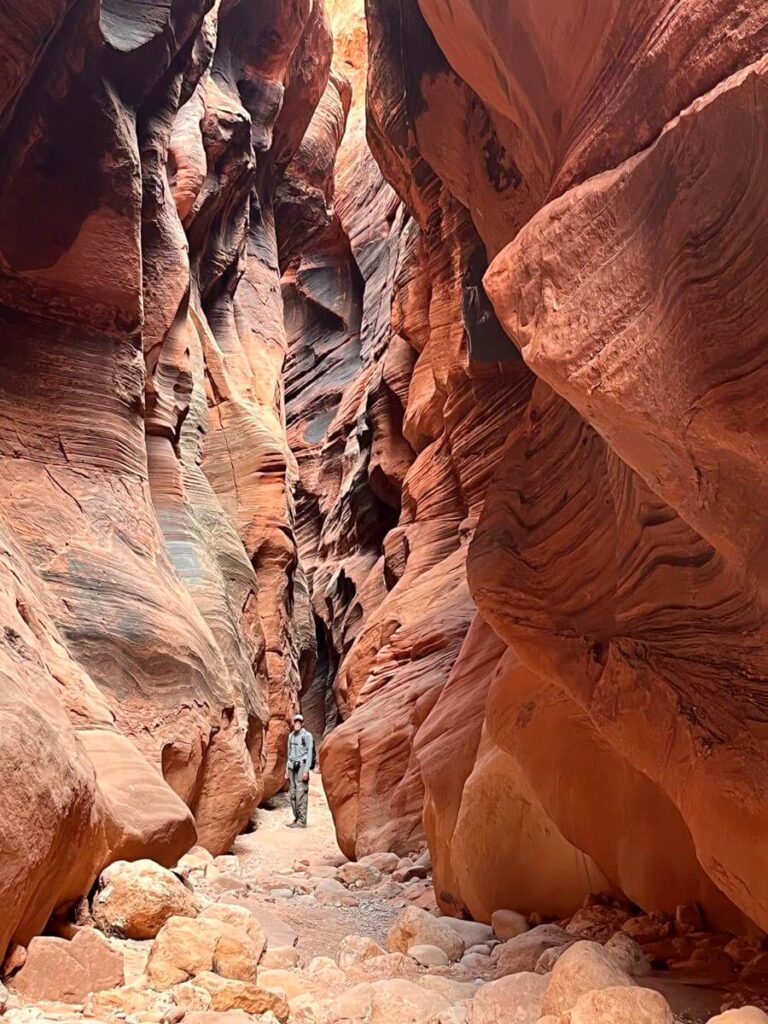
(154, 628)
(600, 723)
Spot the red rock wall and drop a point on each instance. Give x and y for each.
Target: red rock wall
(156, 626)
(597, 503)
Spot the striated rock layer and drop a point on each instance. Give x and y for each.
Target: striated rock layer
(563, 681)
(156, 627)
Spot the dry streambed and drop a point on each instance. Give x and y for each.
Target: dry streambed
(283, 930)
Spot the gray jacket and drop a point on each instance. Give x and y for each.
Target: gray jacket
(300, 749)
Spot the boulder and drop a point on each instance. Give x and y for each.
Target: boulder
(582, 968)
(548, 959)
(67, 971)
(356, 949)
(197, 864)
(415, 927)
(522, 953)
(384, 862)
(188, 997)
(628, 954)
(429, 956)
(185, 948)
(598, 921)
(128, 1000)
(361, 876)
(744, 1015)
(228, 994)
(507, 924)
(212, 1017)
(392, 1001)
(621, 1006)
(238, 917)
(290, 983)
(516, 999)
(134, 899)
(473, 932)
(280, 956)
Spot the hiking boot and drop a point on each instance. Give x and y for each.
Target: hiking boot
(292, 824)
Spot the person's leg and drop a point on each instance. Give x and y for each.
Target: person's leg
(303, 801)
(294, 785)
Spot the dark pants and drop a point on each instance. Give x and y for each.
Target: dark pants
(299, 795)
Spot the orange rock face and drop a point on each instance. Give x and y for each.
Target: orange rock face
(155, 629)
(598, 725)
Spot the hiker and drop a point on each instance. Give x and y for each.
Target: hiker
(301, 760)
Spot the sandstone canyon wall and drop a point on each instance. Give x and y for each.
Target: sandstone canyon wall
(413, 375)
(157, 628)
(564, 679)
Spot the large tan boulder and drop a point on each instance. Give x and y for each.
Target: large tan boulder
(473, 932)
(743, 1015)
(583, 967)
(135, 898)
(228, 994)
(185, 948)
(393, 1001)
(621, 1006)
(67, 971)
(415, 927)
(238, 917)
(516, 999)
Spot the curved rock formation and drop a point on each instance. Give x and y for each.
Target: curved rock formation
(155, 630)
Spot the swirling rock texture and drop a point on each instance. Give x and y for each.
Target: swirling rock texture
(155, 622)
(414, 379)
(563, 682)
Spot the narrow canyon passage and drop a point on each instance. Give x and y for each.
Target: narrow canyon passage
(402, 364)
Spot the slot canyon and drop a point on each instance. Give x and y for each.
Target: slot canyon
(395, 362)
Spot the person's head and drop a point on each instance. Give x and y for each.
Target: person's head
(298, 722)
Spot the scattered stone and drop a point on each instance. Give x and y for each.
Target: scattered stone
(743, 948)
(481, 949)
(211, 1017)
(598, 921)
(185, 948)
(410, 872)
(428, 956)
(628, 955)
(516, 999)
(356, 949)
(364, 876)
(476, 963)
(394, 1001)
(330, 891)
(190, 997)
(744, 1015)
(507, 924)
(385, 862)
(689, 918)
(196, 865)
(278, 933)
(580, 969)
(135, 898)
(456, 1014)
(415, 927)
(621, 1006)
(227, 994)
(281, 893)
(67, 971)
(128, 1000)
(14, 959)
(238, 917)
(473, 932)
(280, 956)
(548, 959)
(649, 927)
(522, 952)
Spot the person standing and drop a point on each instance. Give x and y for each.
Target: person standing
(301, 759)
